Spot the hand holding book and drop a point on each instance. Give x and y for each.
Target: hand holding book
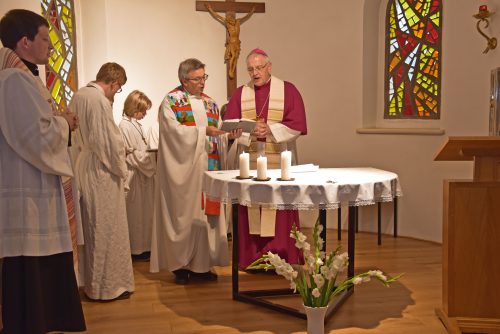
(247, 125)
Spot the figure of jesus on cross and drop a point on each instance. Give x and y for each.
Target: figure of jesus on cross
(232, 25)
(233, 44)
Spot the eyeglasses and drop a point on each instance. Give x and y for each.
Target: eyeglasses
(257, 68)
(119, 89)
(198, 79)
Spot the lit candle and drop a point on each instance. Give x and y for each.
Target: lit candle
(286, 163)
(244, 165)
(261, 168)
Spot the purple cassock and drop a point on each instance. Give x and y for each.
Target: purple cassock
(251, 247)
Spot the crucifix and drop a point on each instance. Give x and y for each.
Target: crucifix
(232, 25)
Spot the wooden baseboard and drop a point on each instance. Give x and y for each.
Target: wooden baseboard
(458, 325)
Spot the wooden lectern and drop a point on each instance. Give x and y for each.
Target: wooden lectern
(471, 238)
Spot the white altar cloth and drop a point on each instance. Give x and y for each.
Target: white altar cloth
(325, 188)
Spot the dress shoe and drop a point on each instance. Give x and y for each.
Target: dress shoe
(143, 257)
(181, 276)
(124, 295)
(207, 276)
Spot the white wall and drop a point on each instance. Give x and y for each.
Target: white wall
(323, 47)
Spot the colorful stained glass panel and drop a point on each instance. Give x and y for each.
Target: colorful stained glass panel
(61, 72)
(413, 57)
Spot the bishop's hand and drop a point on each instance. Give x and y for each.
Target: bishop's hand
(261, 129)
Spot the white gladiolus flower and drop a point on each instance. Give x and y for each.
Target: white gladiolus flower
(321, 268)
(301, 237)
(324, 270)
(340, 262)
(330, 274)
(320, 229)
(378, 274)
(311, 260)
(319, 280)
(357, 280)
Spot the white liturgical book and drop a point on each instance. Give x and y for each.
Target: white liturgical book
(246, 124)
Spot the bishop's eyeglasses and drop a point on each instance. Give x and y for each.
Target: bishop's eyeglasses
(257, 68)
(198, 79)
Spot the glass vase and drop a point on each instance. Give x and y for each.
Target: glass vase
(315, 319)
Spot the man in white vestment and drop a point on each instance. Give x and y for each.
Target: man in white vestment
(139, 185)
(39, 288)
(189, 231)
(100, 170)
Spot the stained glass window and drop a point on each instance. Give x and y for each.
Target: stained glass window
(61, 73)
(413, 59)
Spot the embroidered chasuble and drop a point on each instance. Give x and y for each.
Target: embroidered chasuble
(181, 106)
(280, 105)
(189, 232)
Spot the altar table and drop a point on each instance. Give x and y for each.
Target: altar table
(324, 188)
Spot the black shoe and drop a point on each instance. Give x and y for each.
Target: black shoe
(181, 276)
(141, 257)
(207, 276)
(124, 295)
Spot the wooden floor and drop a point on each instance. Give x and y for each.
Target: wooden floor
(160, 306)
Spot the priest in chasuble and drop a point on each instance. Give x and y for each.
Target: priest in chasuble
(189, 231)
(278, 108)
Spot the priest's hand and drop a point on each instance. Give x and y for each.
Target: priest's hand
(235, 134)
(71, 118)
(213, 131)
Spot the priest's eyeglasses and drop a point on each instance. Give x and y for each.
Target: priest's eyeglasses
(257, 68)
(198, 79)
(119, 89)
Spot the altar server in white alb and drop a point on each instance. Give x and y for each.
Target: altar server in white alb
(189, 232)
(39, 289)
(139, 184)
(100, 170)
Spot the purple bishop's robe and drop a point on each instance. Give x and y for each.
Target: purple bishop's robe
(293, 124)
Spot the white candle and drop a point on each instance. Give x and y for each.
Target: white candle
(261, 168)
(286, 163)
(244, 165)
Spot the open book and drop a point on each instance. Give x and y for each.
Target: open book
(246, 124)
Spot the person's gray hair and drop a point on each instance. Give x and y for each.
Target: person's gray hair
(188, 65)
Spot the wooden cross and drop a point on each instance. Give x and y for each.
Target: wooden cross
(232, 25)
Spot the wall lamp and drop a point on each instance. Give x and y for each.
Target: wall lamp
(482, 17)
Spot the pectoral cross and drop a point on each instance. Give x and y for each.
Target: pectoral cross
(232, 25)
